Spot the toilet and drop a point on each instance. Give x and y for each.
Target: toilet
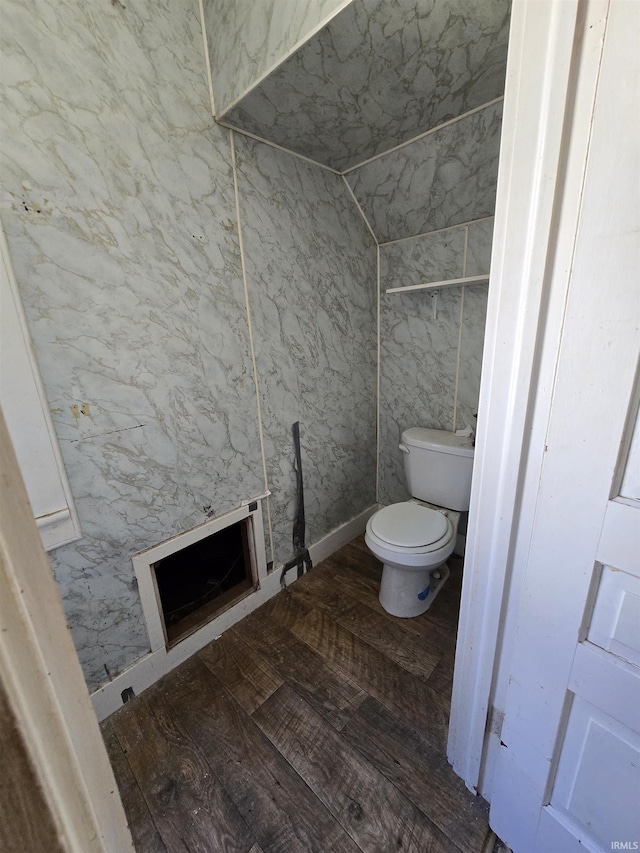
(414, 538)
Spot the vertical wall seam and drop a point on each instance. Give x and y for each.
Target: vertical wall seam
(455, 390)
(251, 339)
(466, 246)
(207, 61)
(378, 372)
(378, 337)
(464, 272)
(362, 213)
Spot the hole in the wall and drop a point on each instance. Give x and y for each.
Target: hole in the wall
(198, 582)
(210, 606)
(127, 695)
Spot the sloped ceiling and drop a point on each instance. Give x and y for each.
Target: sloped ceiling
(380, 73)
(444, 178)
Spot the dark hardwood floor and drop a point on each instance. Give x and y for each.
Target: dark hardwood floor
(318, 723)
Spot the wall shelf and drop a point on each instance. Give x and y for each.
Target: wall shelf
(440, 285)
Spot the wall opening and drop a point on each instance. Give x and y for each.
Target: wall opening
(202, 580)
(190, 584)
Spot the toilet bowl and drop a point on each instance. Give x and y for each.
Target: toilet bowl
(412, 539)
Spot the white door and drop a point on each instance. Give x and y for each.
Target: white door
(567, 774)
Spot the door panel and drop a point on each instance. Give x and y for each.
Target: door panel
(615, 624)
(620, 540)
(630, 487)
(598, 775)
(608, 682)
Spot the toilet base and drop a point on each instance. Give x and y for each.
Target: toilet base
(410, 592)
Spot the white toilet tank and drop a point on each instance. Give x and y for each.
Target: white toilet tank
(438, 467)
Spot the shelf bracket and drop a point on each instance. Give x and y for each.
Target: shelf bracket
(434, 305)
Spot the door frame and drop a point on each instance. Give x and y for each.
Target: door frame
(41, 676)
(552, 72)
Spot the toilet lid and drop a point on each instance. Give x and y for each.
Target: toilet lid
(409, 525)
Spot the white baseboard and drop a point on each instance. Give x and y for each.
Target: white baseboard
(146, 671)
(340, 536)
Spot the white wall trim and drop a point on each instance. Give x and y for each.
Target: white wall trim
(436, 231)
(154, 665)
(330, 543)
(460, 322)
(235, 129)
(144, 560)
(423, 134)
(281, 60)
(378, 370)
(362, 213)
(207, 61)
(58, 528)
(254, 363)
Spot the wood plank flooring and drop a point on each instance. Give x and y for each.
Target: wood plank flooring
(318, 723)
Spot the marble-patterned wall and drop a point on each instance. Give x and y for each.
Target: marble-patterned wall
(404, 99)
(246, 39)
(377, 75)
(429, 365)
(447, 177)
(119, 209)
(119, 206)
(311, 273)
(430, 204)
